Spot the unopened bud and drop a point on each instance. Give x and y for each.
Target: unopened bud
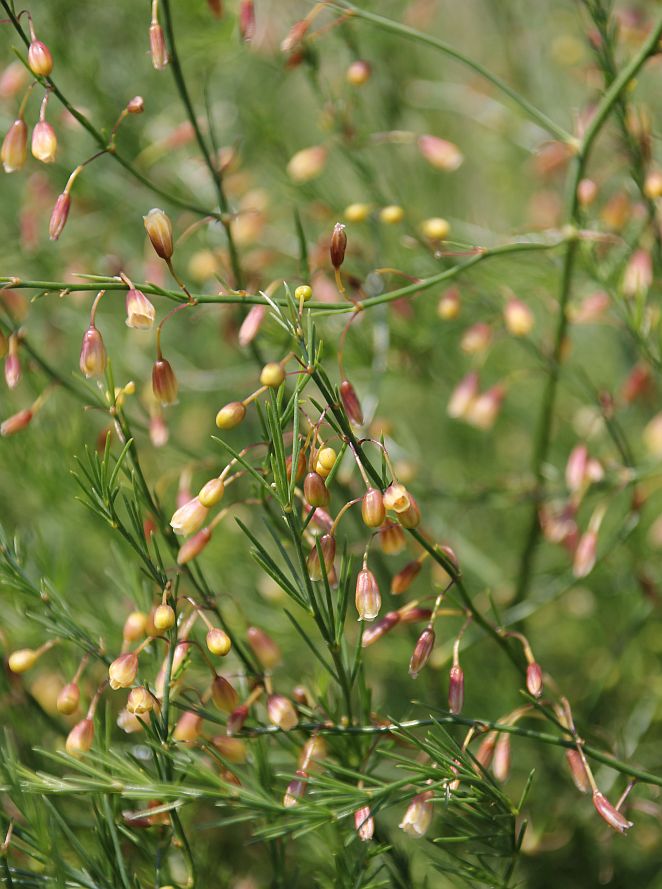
(295, 789)
(68, 699)
(328, 548)
(188, 728)
(313, 753)
(164, 618)
(476, 338)
(136, 105)
(281, 712)
(368, 599)
(307, 164)
(212, 492)
(411, 516)
(585, 554)
(122, 671)
(435, 229)
(164, 382)
(448, 307)
(223, 694)
(373, 510)
(379, 629)
(364, 824)
(189, 518)
(40, 59)
(140, 312)
(247, 20)
(615, 819)
(140, 701)
(303, 293)
(534, 679)
(300, 467)
(157, 47)
(483, 411)
(134, 626)
(338, 245)
(463, 396)
(418, 816)
(16, 422)
(266, 650)
(93, 353)
(391, 538)
(44, 142)
(272, 375)
(314, 490)
(22, 660)
(230, 415)
(14, 151)
(456, 689)
(401, 582)
(392, 214)
(159, 231)
(358, 72)
(587, 192)
(422, 652)
(236, 719)
(410, 615)
(192, 547)
(59, 216)
(232, 749)
(251, 324)
(638, 275)
(578, 771)
(518, 317)
(80, 738)
(501, 761)
(351, 403)
(218, 642)
(439, 153)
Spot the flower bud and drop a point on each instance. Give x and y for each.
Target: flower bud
(59, 216)
(295, 789)
(534, 679)
(281, 712)
(212, 492)
(578, 771)
(266, 650)
(139, 701)
(411, 516)
(140, 312)
(68, 699)
(351, 403)
(435, 229)
(638, 275)
(379, 629)
(357, 212)
(122, 671)
(16, 422)
(412, 614)
(391, 538)
(373, 511)
(134, 626)
(401, 582)
(232, 749)
(585, 554)
(518, 317)
(456, 689)
(231, 415)
(476, 339)
(358, 73)
(157, 48)
(236, 719)
(338, 245)
(218, 642)
(463, 396)
(307, 164)
(449, 305)
(188, 728)
(483, 411)
(422, 652)
(609, 813)
(159, 231)
(368, 599)
(164, 382)
(164, 618)
(325, 461)
(314, 490)
(501, 762)
(439, 153)
(189, 518)
(587, 192)
(44, 142)
(251, 324)
(396, 498)
(223, 694)
(192, 547)
(391, 215)
(136, 105)
(272, 375)
(313, 753)
(364, 824)
(418, 816)
(80, 738)
(328, 548)
(40, 59)
(92, 353)
(22, 660)
(14, 151)
(247, 20)
(303, 293)
(129, 722)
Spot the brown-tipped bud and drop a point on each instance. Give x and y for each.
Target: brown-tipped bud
(247, 20)
(338, 245)
(301, 466)
(93, 353)
(381, 628)
(59, 216)
(391, 538)
(373, 511)
(14, 151)
(212, 492)
(236, 719)
(157, 47)
(80, 738)
(251, 325)
(164, 618)
(122, 671)
(456, 689)
(272, 375)
(140, 701)
(192, 547)
(230, 415)
(615, 819)
(266, 650)
(295, 789)
(140, 312)
(40, 59)
(313, 753)
(307, 164)
(401, 582)
(501, 761)
(463, 396)
(422, 652)
(159, 231)
(368, 598)
(518, 317)
(134, 626)
(164, 382)
(418, 817)
(328, 547)
(136, 105)
(364, 823)
(281, 712)
(44, 142)
(232, 749)
(68, 699)
(358, 73)
(448, 307)
(218, 642)
(439, 153)
(16, 422)
(314, 489)
(188, 518)
(351, 403)
(188, 728)
(22, 659)
(223, 694)
(578, 771)
(534, 679)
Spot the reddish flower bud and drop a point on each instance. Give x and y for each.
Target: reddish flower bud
(92, 353)
(439, 153)
(232, 749)
(456, 689)
(14, 151)
(373, 511)
(59, 216)
(266, 650)
(136, 105)
(314, 490)
(364, 824)
(391, 538)
(638, 275)
(615, 819)
(157, 46)
(251, 325)
(223, 694)
(188, 518)
(501, 762)
(368, 598)
(381, 628)
(281, 712)
(68, 699)
(247, 20)
(418, 816)
(484, 409)
(140, 312)
(16, 423)
(13, 364)
(236, 719)
(328, 547)
(409, 615)
(40, 59)
(476, 338)
(422, 652)
(140, 701)
(230, 415)
(188, 728)
(485, 751)
(295, 789)
(80, 738)
(578, 771)
(122, 671)
(575, 468)
(44, 142)
(321, 517)
(401, 582)
(585, 554)
(159, 231)
(463, 396)
(351, 403)
(164, 382)
(587, 192)
(338, 245)
(192, 547)
(218, 642)
(534, 679)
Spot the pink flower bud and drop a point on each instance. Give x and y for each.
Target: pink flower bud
(164, 382)
(251, 325)
(281, 712)
(314, 490)
(518, 317)
(485, 750)
(12, 364)
(351, 403)
(638, 275)
(16, 423)
(159, 231)
(59, 216)
(401, 582)
(139, 310)
(373, 511)
(501, 763)
(192, 547)
(140, 701)
(14, 151)
(368, 598)
(188, 728)
(307, 164)
(68, 699)
(328, 548)
(295, 789)
(40, 59)
(223, 694)
(236, 719)
(418, 817)
(455, 689)
(157, 47)
(266, 650)
(358, 73)
(575, 469)
(158, 430)
(122, 671)
(587, 192)
(484, 410)
(364, 823)
(247, 20)
(463, 396)
(188, 518)
(379, 629)
(12, 80)
(44, 142)
(410, 615)
(476, 339)
(534, 679)
(80, 738)
(338, 245)
(439, 153)
(585, 554)
(92, 353)
(422, 652)
(615, 819)
(578, 771)
(136, 105)
(134, 626)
